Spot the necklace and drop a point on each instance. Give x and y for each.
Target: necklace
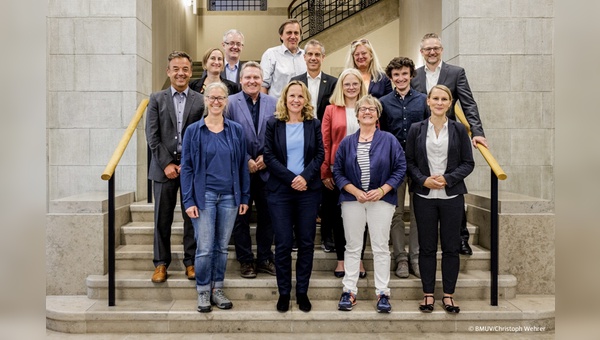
(366, 139)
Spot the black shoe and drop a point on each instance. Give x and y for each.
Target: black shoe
(266, 267)
(283, 304)
(427, 307)
(247, 270)
(362, 275)
(303, 302)
(450, 308)
(339, 274)
(328, 246)
(465, 248)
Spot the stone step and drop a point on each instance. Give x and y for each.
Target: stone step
(142, 232)
(530, 314)
(136, 285)
(139, 257)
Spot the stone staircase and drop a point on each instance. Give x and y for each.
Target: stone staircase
(146, 307)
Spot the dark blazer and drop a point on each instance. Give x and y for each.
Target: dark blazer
(239, 70)
(161, 128)
(238, 111)
(275, 155)
(460, 158)
(325, 90)
(380, 88)
(232, 87)
(455, 78)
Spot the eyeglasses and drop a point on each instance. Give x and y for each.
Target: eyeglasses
(362, 41)
(233, 43)
(367, 109)
(436, 49)
(213, 98)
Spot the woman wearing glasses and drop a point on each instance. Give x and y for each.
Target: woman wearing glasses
(294, 154)
(215, 183)
(362, 57)
(369, 167)
(213, 64)
(339, 121)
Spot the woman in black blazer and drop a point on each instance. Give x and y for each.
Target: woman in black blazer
(293, 154)
(439, 157)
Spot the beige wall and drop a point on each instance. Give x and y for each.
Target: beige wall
(173, 28)
(417, 17)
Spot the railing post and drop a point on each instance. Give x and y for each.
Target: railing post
(111, 241)
(148, 160)
(494, 240)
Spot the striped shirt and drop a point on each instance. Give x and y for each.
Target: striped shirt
(364, 163)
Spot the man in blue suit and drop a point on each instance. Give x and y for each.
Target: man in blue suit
(252, 109)
(168, 115)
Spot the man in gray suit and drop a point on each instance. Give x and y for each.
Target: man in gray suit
(436, 72)
(168, 114)
(252, 109)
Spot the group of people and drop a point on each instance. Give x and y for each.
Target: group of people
(298, 145)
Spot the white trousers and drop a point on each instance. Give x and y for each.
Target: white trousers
(378, 215)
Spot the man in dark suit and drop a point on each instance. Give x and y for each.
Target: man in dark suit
(233, 45)
(252, 110)
(168, 114)
(437, 72)
(320, 85)
(318, 82)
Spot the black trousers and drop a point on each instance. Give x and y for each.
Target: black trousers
(447, 214)
(165, 200)
(264, 228)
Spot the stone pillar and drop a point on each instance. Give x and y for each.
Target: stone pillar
(99, 69)
(506, 48)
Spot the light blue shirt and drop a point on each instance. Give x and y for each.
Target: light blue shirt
(231, 74)
(279, 66)
(179, 99)
(294, 135)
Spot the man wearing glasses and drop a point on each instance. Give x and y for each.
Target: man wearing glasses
(437, 72)
(233, 45)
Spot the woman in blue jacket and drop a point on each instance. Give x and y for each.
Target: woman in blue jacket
(369, 166)
(439, 157)
(294, 154)
(216, 186)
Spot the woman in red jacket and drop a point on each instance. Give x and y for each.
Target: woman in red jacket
(339, 121)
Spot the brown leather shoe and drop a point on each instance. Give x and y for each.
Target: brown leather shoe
(160, 274)
(190, 272)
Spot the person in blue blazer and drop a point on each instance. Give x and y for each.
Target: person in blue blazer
(439, 157)
(252, 109)
(294, 154)
(362, 57)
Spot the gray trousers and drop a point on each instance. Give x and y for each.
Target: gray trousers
(397, 233)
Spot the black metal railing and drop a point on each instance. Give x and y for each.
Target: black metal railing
(316, 16)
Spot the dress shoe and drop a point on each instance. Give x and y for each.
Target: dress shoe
(303, 302)
(267, 267)
(247, 271)
(362, 275)
(160, 274)
(465, 248)
(402, 270)
(191, 274)
(283, 304)
(339, 274)
(427, 307)
(414, 269)
(450, 308)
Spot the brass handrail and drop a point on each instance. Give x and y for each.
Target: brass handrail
(120, 149)
(485, 152)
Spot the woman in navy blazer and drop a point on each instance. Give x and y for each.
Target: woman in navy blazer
(362, 57)
(294, 154)
(439, 157)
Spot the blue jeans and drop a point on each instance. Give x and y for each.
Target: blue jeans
(212, 230)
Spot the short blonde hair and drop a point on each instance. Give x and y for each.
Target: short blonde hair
(281, 111)
(369, 99)
(337, 96)
(219, 86)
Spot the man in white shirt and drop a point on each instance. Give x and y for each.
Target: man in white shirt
(281, 63)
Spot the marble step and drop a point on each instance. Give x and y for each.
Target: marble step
(136, 285)
(139, 257)
(142, 232)
(529, 314)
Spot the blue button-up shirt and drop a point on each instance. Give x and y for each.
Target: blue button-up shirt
(400, 113)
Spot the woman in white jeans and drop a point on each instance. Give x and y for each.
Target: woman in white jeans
(369, 167)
